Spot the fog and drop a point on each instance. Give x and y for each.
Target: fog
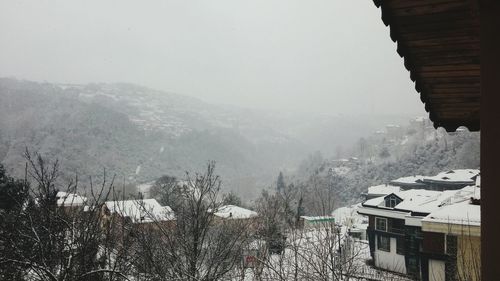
(333, 57)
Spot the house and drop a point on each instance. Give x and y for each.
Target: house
(70, 202)
(452, 242)
(355, 223)
(454, 179)
(395, 225)
(315, 222)
(141, 211)
(65, 199)
(411, 182)
(235, 214)
(451, 50)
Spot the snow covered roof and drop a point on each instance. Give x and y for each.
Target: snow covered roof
(460, 176)
(341, 160)
(462, 213)
(69, 199)
(140, 211)
(478, 180)
(348, 215)
(426, 201)
(318, 218)
(234, 212)
(416, 199)
(342, 213)
(383, 189)
(408, 181)
(392, 126)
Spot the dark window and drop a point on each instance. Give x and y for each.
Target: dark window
(413, 267)
(384, 243)
(392, 201)
(381, 224)
(433, 242)
(400, 245)
(451, 245)
(397, 226)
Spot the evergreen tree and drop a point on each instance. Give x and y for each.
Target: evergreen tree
(280, 183)
(13, 193)
(232, 198)
(13, 196)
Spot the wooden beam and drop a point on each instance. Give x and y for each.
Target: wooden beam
(490, 139)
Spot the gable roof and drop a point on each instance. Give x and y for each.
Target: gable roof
(383, 189)
(461, 213)
(459, 176)
(141, 211)
(423, 201)
(318, 218)
(439, 41)
(234, 212)
(70, 199)
(408, 181)
(393, 195)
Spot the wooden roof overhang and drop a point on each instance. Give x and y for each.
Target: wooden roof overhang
(439, 41)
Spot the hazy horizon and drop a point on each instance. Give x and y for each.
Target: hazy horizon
(324, 57)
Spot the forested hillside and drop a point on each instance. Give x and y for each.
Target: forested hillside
(140, 134)
(88, 130)
(396, 151)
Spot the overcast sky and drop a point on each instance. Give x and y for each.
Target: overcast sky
(326, 56)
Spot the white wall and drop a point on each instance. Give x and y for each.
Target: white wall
(389, 260)
(436, 270)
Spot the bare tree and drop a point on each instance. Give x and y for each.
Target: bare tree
(168, 191)
(56, 240)
(198, 247)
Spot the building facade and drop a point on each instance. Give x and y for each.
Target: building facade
(400, 243)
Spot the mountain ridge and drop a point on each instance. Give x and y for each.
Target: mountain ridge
(141, 133)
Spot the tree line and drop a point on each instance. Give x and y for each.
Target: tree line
(42, 239)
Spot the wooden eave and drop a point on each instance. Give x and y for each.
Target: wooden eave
(439, 42)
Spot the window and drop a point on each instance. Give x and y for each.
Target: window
(392, 202)
(384, 243)
(381, 224)
(397, 226)
(451, 245)
(400, 245)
